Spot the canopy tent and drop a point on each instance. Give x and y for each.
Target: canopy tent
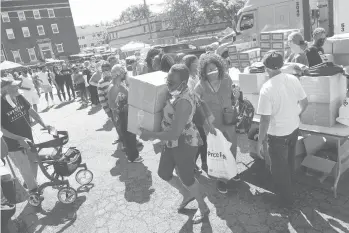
(7, 65)
(134, 46)
(50, 60)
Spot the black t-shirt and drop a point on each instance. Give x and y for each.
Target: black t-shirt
(314, 55)
(88, 73)
(59, 78)
(66, 74)
(16, 120)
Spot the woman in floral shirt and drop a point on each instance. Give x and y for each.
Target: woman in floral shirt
(182, 140)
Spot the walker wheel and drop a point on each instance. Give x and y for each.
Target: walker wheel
(84, 177)
(34, 200)
(67, 195)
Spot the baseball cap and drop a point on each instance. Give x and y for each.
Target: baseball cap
(296, 38)
(9, 81)
(273, 60)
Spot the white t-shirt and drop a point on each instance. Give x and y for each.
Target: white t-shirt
(278, 99)
(43, 76)
(27, 82)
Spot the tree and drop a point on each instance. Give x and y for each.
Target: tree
(224, 9)
(134, 12)
(184, 15)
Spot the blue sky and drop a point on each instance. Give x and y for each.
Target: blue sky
(95, 11)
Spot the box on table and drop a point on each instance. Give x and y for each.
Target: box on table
(252, 83)
(324, 89)
(338, 44)
(279, 45)
(341, 59)
(234, 57)
(250, 54)
(253, 98)
(139, 118)
(148, 91)
(322, 114)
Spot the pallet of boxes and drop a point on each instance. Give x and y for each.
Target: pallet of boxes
(147, 97)
(243, 55)
(275, 40)
(336, 49)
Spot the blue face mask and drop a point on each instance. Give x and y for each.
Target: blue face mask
(176, 92)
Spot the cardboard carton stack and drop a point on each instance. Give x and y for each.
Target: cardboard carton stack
(250, 85)
(147, 98)
(336, 49)
(243, 55)
(275, 40)
(325, 95)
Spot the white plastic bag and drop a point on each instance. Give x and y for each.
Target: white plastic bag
(220, 161)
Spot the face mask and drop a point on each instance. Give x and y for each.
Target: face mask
(176, 92)
(212, 75)
(106, 74)
(320, 42)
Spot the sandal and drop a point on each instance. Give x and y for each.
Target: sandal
(185, 203)
(198, 216)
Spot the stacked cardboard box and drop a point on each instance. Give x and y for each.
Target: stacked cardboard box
(337, 47)
(250, 85)
(275, 40)
(147, 98)
(243, 55)
(325, 95)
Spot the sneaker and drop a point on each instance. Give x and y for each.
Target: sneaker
(138, 160)
(236, 178)
(222, 187)
(197, 169)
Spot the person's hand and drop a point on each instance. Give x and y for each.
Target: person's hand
(212, 129)
(146, 135)
(24, 143)
(260, 149)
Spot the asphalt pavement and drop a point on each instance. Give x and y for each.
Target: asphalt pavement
(131, 198)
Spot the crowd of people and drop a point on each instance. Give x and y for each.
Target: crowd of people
(190, 80)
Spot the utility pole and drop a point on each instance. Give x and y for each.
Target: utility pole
(307, 20)
(147, 17)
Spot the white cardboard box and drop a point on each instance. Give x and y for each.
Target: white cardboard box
(138, 118)
(324, 89)
(252, 83)
(148, 91)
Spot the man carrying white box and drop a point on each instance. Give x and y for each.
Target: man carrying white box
(279, 123)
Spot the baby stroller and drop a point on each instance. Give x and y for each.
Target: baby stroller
(59, 165)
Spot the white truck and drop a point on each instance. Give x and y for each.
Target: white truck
(266, 15)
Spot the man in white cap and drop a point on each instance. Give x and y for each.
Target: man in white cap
(281, 102)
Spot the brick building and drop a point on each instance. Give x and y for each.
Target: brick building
(35, 30)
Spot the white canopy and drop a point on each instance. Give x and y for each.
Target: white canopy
(133, 46)
(7, 65)
(50, 60)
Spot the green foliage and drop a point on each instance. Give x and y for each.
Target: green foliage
(134, 12)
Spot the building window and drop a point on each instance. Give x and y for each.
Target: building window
(17, 56)
(32, 54)
(51, 13)
(5, 17)
(92, 44)
(41, 30)
(60, 48)
(2, 56)
(10, 34)
(21, 15)
(54, 28)
(25, 31)
(116, 35)
(145, 28)
(36, 14)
